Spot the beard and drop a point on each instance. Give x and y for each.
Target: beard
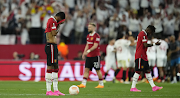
(90, 31)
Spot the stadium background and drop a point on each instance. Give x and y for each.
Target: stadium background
(22, 37)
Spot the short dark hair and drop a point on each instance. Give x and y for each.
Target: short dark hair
(61, 15)
(152, 28)
(120, 35)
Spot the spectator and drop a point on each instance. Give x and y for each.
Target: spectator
(157, 22)
(79, 27)
(134, 4)
(146, 20)
(113, 26)
(123, 3)
(169, 25)
(15, 56)
(79, 56)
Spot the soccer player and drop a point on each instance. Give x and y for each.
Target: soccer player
(141, 61)
(175, 59)
(110, 60)
(122, 54)
(151, 55)
(162, 58)
(52, 53)
(132, 50)
(92, 51)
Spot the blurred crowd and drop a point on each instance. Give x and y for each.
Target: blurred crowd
(26, 19)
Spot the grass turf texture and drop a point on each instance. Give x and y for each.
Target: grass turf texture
(19, 89)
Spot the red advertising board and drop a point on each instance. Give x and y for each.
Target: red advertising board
(35, 71)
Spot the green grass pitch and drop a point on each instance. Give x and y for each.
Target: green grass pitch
(19, 89)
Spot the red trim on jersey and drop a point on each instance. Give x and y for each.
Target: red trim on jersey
(52, 54)
(61, 21)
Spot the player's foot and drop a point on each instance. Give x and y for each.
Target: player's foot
(155, 78)
(163, 81)
(99, 86)
(159, 80)
(144, 80)
(135, 90)
(59, 93)
(50, 93)
(121, 81)
(115, 81)
(178, 74)
(81, 86)
(126, 82)
(156, 88)
(172, 82)
(104, 81)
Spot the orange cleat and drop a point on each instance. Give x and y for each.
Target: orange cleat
(99, 86)
(121, 81)
(159, 80)
(155, 79)
(81, 86)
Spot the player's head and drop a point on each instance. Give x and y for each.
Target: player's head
(172, 38)
(150, 29)
(112, 41)
(131, 38)
(121, 36)
(60, 17)
(91, 27)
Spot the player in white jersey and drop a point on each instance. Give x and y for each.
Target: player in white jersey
(110, 60)
(151, 55)
(132, 50)
(162, 58)
(122, 54)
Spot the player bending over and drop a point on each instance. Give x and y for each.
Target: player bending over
(110, 60)
(92, 51)
(52, 53)
(141, 61)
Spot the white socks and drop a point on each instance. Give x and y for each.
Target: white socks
(84, 81)
(101, 82)
(55, 80)
(174, 79)
(149, 77)
(48, 81)
(135, 79)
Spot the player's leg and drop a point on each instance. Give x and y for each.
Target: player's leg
(55, 71)
(149, 76)
(136, 75)
(178, 74)
(49, 71)
(173, 68)
(160, 64)
(88, 67)
(96, 62)
(107, 66)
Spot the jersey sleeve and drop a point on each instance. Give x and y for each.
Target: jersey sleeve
(52, 24)
(144, 39)
(97, 39)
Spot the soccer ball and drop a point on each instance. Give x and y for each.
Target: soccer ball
(73, 90)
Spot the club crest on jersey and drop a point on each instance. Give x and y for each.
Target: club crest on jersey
(55, 60)
(91, 38)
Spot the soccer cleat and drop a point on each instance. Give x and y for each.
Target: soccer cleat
(59, 93)
(172, 82)
(156, 88)
(115, 81)
(99, 86)
(135, 90)
(159, 80)
(81, 86)
(126, 82)
(50, 93)
(155, 79)
(104, 81)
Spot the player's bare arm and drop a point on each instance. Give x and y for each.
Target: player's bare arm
(85, 50)
(149, 45)
(92, 48)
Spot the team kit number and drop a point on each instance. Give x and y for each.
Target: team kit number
(96, 64)
(119, 49)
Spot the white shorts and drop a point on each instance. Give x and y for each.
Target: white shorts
(132, 62)
(123, 63)
(152, 62)
(161, 62)
(110, 64)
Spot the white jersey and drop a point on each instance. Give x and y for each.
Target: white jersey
(110, 55)
(162, 49)
(122, 46)
(151, 51)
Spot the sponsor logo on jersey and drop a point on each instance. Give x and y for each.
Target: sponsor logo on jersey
(91, 38)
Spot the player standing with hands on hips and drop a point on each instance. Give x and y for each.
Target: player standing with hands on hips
(52, 53)
(92, 51)
(141, 61)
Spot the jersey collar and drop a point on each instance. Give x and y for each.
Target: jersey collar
(144, 32)
(53, 18)
(92, 33)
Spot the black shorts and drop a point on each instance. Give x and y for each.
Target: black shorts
(93, 62)
(141, 65)
(52, 54)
